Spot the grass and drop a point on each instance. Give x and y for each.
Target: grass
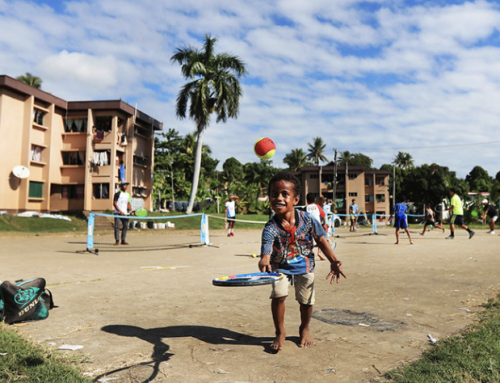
(41, 225)
(28, 362)
(472, 356)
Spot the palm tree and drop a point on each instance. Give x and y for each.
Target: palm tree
(30, 80)
(213, 87)
(296, 159)
(403, 160)
(316, 150)
(345, 157)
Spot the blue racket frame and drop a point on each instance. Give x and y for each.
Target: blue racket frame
(251, 279)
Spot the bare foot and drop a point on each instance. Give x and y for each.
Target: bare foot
(422, 234)
(278, 343)
(305, 338)
(411, 243)
(397, 243)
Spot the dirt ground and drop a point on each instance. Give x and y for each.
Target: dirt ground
(173, 325)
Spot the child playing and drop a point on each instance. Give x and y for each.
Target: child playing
(400, 220)
(230, 213)
(287, 244)
(429, 219)
(317, 212)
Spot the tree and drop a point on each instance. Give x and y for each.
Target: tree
(296, 160)
(345, 157)
(232, 171)
(479, 180)
(213, 88)
(30, 80)
(403, 160)
(316, 150)
(360, 159)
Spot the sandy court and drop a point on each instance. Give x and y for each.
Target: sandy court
(173, 325)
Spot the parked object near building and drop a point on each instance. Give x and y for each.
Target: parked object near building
(73, 150)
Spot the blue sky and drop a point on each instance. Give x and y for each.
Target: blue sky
(364, 75)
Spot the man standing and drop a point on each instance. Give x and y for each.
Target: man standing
(353, 210)
(458, 215)
(122, 208)
(230, 213)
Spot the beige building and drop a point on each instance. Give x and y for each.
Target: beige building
(73, 151)
(368, 187)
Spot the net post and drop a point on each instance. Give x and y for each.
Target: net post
(205, 237)
(90, 232)
(374, 223)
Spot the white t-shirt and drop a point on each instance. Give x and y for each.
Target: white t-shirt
(122, 199)
(230, 206)
(314, 211)
(327, 208)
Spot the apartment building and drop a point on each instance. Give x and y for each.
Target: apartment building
(368, 187)
(73, 150)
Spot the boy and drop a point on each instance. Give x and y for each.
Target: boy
(318, 213)
(230, 213)
(353, 209)
(490, 211)
(429, 219)
(400, 220)
(287, 244)
(458, 215)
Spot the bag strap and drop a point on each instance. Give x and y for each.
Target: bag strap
(51, 300)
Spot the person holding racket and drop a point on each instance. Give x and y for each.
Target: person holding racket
(458, 215)
(490, 211)
(429, 219)
(287, 248)
(122, 205)
(230, 213)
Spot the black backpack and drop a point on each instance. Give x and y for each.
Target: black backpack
(25, 300)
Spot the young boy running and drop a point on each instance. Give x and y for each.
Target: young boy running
(429, 219)
(490, 211)
(458, 215)
(287, 247)
(400, 219)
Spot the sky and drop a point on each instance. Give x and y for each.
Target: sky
(373, 76)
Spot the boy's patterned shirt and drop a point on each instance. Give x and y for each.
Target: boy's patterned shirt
(292, 251)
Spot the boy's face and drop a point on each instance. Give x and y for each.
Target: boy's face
(282, 197)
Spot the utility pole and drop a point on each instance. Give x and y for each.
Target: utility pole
(335, 178)
(394, 185)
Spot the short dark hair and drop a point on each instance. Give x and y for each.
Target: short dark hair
(310, 197)
(402, 198)
(427, 204)
(287, 177)
(453, 190)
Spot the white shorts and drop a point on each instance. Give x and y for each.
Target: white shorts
(304, 288)
(494, 219)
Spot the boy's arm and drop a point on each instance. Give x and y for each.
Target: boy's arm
(335, 264)
(265, 251)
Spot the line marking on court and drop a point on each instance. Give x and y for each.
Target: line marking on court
(152, 268)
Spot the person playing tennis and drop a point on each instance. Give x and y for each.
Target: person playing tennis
(458, 215)
(122, 205)
(400, 219)
(490, 211)
(353, 210)
(230, 213)
(429, 219)
(287, 247)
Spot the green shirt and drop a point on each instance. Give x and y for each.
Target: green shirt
(457, 205)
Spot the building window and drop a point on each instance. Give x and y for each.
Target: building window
(36, 153)
(103, 124)
(38, 116)
(73, 158)
(68, 191)
(381, 181)
(368, 181)
(101, 191)
(141, 131)
(36, 189)
(139, 191)
(352, 176)
(75, 125)
(327, 178)
(353, 194)
(313, 176)
(380, 197)
(369, 198)
(143, 161)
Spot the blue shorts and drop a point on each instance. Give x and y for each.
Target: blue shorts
(400, 222)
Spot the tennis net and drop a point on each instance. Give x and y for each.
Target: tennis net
(146, 233)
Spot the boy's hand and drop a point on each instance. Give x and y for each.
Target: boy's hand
(336, 271)
(264, 264)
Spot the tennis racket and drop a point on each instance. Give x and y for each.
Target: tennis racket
(474, 213)
(140, 212)
(252, 279)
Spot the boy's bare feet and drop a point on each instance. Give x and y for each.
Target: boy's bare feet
(278, 342)
(305, 338)
(397, 243)
(421, 234)
(411, 243)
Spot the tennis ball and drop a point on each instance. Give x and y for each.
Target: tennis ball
(264, 148)
(254, 255)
